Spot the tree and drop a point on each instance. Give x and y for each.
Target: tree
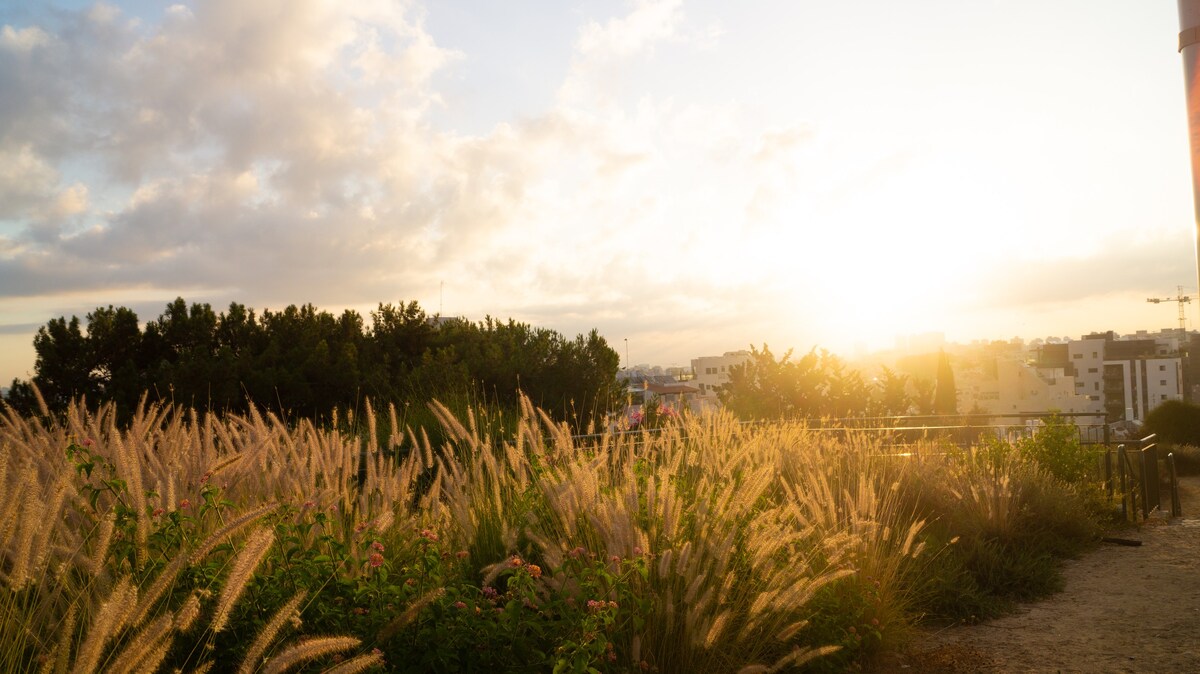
(114, 342)
(818, 384)
(945, 396)
(891, 393)
(63, 366)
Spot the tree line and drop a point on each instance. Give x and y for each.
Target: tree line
(307, 362)
(820, 385)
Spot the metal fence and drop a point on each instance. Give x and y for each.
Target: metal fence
(1130, 470)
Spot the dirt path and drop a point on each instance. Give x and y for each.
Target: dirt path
(1123, 609)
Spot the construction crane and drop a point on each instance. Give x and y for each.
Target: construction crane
(1182, 300)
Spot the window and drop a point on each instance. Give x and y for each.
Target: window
(1097, 386)
(722, 368)
(1162, 368)
(1162, 382)
(1077, 356)
(1095, 355)
(1092, 370)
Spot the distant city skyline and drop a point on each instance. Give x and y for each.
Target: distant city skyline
(693, 177)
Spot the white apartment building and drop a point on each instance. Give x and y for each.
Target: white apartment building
(1087, 358)
(1145, 383)
(712, 372)
(1131, 375)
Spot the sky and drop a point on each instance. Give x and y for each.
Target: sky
(687, 177)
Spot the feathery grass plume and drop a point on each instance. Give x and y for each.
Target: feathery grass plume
(11, 506)
(266, 635)
(203, 668)
(357, 664)
(187, 614)
(112, 615)
(58, 658)
(150, 663)
(165, 579)
(130, 467)
(410, 614)
(234, 525)
(307, 650)
(150, 638)
(31, 519)
(49, 523)
(7, 453)
(256, 548)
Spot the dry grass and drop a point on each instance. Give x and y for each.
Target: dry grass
(739, 527)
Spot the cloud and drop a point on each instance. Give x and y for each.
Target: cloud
(1153, 266)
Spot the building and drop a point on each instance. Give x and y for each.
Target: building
(1102, 373)
(1010, 385)
(710, 374)
(1131, 374)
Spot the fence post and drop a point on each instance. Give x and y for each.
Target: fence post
(1176, 508)
(1125, 495)
(1108, 474)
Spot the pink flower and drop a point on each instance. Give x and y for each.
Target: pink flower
(637, 552)
(375, 560)
(462, 554)
(377, 546)
(185, 504)
(517, 561)
(429, 536)
(490, 592)
(460, 604)
(87, 442)
(614, 559)
(157, 512)
(310, 504)
(577, 552)
(535, 571)
(360, 527)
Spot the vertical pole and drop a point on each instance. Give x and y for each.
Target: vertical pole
(1175, 506)
(1108, 473)
(1124, 482)
(1189, 47)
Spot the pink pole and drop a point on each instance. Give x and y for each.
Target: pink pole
(1189, 47)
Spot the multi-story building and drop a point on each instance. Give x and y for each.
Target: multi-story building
(1131, 375)
(711, 373)
(1122, 377)
(1009, 386)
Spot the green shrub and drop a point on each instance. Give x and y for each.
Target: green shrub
(1175, 421)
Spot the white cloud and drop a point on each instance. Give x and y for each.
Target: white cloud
(24, 40)
(285, 151)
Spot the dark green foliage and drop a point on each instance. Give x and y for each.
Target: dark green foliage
(305, 362)
(1176, 422)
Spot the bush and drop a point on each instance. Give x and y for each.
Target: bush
(1175, 421)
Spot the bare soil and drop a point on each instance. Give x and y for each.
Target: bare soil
(1123, 609)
